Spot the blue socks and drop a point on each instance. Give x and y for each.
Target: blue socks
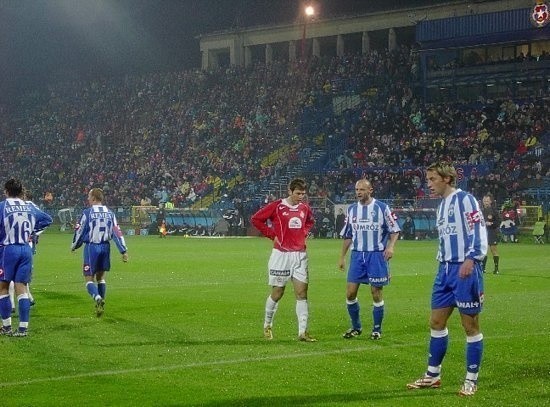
(24, 305)
(5, 307)
(102, 288)
(474, 353)
(92, 290)
(377, 316)
(353, 311)
(439, 340)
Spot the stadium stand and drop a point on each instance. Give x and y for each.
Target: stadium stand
(228, 138)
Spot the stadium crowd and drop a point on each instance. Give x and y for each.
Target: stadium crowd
(178, 136)
(505, 137)
(181, 133)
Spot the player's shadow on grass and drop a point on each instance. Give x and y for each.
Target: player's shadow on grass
(184, 340)
(55, 295)
(398, 396)
(151, 334)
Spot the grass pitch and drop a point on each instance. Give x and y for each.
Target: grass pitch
(183, 327)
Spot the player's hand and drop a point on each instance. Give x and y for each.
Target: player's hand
(125, 257)
(388, 253)
(466, 268)
(341, 264)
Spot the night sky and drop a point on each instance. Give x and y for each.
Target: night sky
(51, 40)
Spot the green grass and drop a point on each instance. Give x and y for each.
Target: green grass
(183, 326)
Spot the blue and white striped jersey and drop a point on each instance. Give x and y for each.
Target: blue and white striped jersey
(98, 224)
(34, 238)
(20, 220)
(368, 226)
(461, 227)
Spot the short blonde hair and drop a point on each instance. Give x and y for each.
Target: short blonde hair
(96, 194)
(444, 169)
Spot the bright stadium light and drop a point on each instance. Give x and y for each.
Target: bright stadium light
(309, 12)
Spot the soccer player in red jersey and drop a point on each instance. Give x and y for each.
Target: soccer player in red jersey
(287, 222)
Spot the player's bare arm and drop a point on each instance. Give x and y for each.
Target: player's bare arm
(342, 261)
(389, 250)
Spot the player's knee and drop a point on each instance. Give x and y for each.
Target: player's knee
(377, 295)
(351, 294)
(277, 293)
(301, 293)
(471, 326)
(437, 324)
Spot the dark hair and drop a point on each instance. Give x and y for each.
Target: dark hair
(14, 188)
(297, 183)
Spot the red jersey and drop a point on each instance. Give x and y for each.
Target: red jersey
(291, 224)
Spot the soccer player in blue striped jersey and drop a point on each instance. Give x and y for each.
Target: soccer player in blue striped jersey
(459, 280)
(19, 221)
(27, 195)
(97, 227)
(371, 230)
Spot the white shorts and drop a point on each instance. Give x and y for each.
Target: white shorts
(283, 266)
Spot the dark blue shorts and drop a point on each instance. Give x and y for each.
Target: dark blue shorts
(449, 290)
(16, 263)
(368, 268)
(97, 258)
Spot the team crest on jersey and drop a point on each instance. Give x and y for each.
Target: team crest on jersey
(295, 223)
(451, 213)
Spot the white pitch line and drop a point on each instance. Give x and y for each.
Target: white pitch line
(182, 367)
(219, 363)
